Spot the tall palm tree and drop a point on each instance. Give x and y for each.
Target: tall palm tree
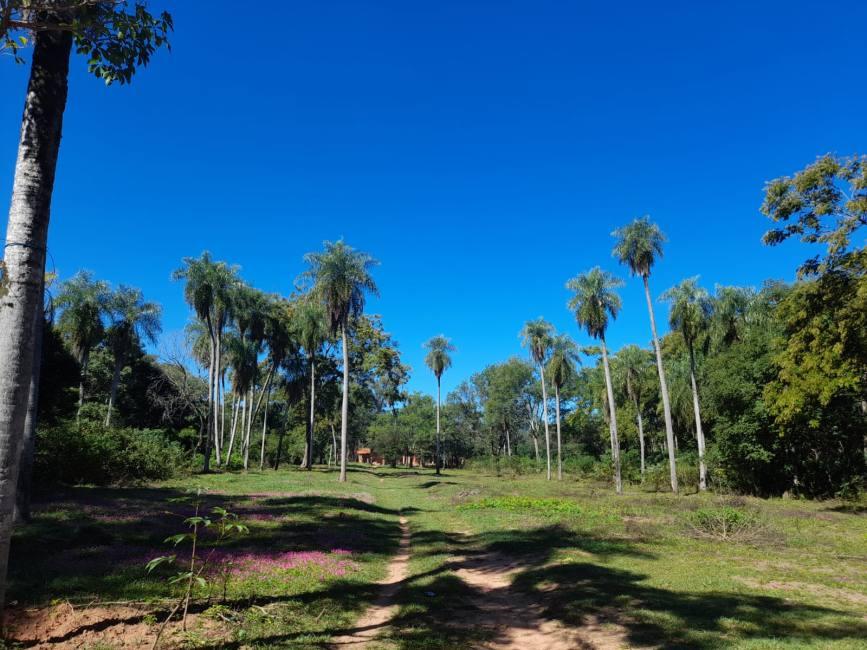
(638, 245)
(690, 313)
(341, 281)
(731, 312)
(209, 290)
(593, 303)
(133, 319)
(438, 360)
(82, 303)
(635, 363)
(562, 367)
(312, 332)
(537, 336)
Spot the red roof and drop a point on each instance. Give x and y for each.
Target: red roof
(363, 450)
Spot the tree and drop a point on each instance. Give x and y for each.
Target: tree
(117, 37)
(133, 319)
(825, 203)
(537, 336)
(593, 303)
(562, 370)
(341, 281)
(312, 331)
(690, 314)
(638, 245)
(635, 363)
(438, 360)
(82, 302)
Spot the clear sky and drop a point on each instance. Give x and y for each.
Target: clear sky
(483, 151)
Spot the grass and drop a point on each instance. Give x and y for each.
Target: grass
(582, 554)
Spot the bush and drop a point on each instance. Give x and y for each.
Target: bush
(507, 465)
(103, 456)
(725, 523)
(581, 465)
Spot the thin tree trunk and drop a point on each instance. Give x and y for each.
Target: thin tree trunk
(612, 420)
(508, 445)
(559, 453)
(85, 357)
(223, 409)
(264, 429)
(247, 433)
(545, 416)
(333, 446)
(663, 388)
(28, 447)
(536, 447)
(211, 367)
(641, 438)
(702, 467)
(437, 463)
(237, 409)
(311, 421)
(344, 409)
(217, 397)
(24, 259)
(115, 382)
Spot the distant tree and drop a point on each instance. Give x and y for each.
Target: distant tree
(595, 301)
(312, 332)
(133, 320)
(537, 337)
(825, 203)
(82, 302)
(638, 245)
(635, 363)
(690, 314)
(438, 359)
(732, 310)
(562, 368)
(341, 280)
(117, 37)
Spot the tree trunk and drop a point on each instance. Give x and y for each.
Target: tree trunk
(663, 388)
(85, 357)
(24, 259)
(223, 409)
(344, 408)
(228, 457)
(640, 437)
(559, 453)
(333, 446)
(217, 397)
(264, 429)
(311, 420)
(545, 419)
(28, 446)
(211, 367)
(702, 467)
(612, 421)
(115, 382)
(249, 429)
(508, 445)
(437, 461)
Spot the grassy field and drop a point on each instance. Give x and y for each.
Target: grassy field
(645, 569)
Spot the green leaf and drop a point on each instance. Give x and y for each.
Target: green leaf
(176, 539)
(157, 561)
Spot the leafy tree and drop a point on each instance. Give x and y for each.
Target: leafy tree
(537, 336)
(501, 388)
(593, 303)
(133, 319)
(341, 280)
(635, 364)
(116, 37)
(639, 243)
(438, 359)
(82, 302)
(690, 314)
(562, 367)
(825, 203)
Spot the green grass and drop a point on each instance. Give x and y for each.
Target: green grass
(582, 552)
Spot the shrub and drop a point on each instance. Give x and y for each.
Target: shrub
(725, 523)
(547, 507)
(103, 456)
(507, 465)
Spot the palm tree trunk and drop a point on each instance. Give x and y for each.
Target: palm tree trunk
(236, 410)
(702, 466)
(28, 446)
(663, 388)
(344, 407)
(264, 429)
(81, 377)
(333, 455)
(24, 258)
(559, 453)
(545, 419)
(612, 420)
(508, 443)
(115, 382)
(223, 409)
(248, 432)
(437, 462)
(640, 436)
(310, 422)
(217, 397)
(211, 367)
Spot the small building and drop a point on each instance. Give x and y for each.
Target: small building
(367, 456)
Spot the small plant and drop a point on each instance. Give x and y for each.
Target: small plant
(226, 525)
(548, 507)
(726, 523)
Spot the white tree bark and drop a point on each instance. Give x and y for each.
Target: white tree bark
(699, 434)
(612, 421)
(559, 452)
(344, 408)
(437, 461)
(545, 419)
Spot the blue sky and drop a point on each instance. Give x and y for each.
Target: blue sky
(483, 151)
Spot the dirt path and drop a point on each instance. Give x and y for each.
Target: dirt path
(384, 609)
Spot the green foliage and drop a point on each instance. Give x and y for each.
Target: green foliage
(725, 523)
(594, 300)
(638, 246)
(94, 454)
(438, 357)
(549, 507)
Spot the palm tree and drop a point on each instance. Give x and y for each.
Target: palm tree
(311, 330)
(635, 363)
(438, 360)
(209, 291)
(341, 281)
(731, 311)
(689, 315)
(82, 301)
(595, 300)
(638, 245)
(133, 319)
(561, 369)
(537, 336)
